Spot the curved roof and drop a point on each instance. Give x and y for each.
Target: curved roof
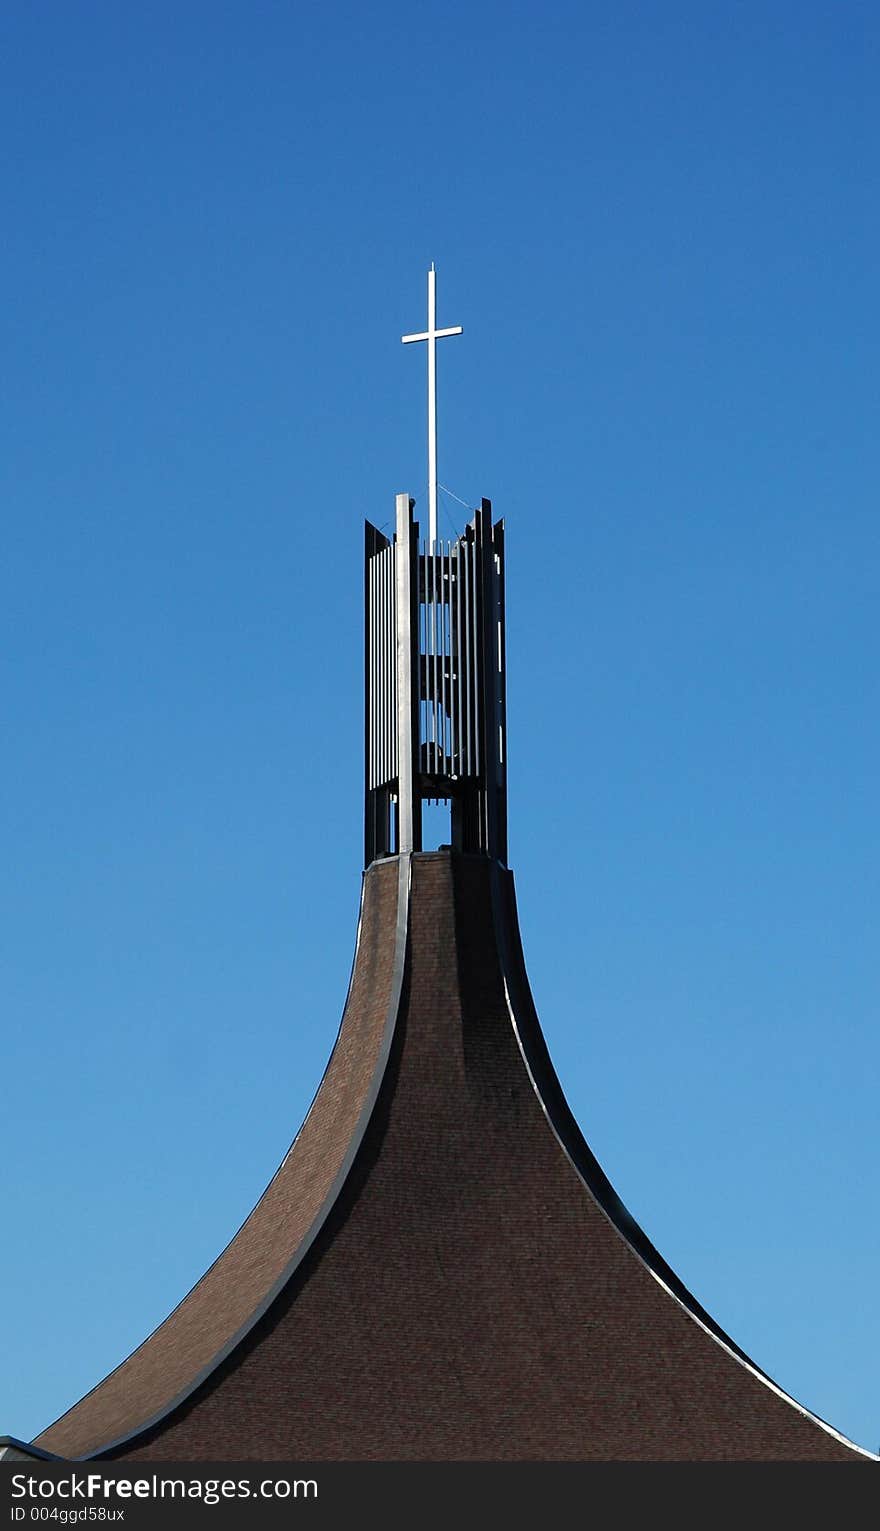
(226, 1302)
(440, 1269)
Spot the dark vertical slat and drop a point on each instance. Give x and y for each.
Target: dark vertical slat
(434, 635)
(457, 663)
(422, 645)
(501, 847)
(374, 679)
(443, 647)
(382, 666)
(477, 608)
(388, 647)
(375, 799)
(466, 661)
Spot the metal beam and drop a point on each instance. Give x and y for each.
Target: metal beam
(409, 803)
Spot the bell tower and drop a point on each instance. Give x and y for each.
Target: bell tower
(434, 686)
(434, 689)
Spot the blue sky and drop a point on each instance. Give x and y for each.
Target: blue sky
(658, 225)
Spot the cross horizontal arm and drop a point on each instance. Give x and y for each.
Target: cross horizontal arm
(437, 334)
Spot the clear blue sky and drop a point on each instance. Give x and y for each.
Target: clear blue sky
(658, 224)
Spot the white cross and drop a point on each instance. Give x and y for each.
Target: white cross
(432, 335)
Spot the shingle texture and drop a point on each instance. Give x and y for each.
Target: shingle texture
(468, 1286)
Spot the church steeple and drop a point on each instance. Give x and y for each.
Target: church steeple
(440, 1270)
(435, 685)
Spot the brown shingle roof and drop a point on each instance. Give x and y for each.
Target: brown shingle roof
(440, 1270)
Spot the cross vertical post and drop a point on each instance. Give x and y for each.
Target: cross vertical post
(432, 409)
(432, 335)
